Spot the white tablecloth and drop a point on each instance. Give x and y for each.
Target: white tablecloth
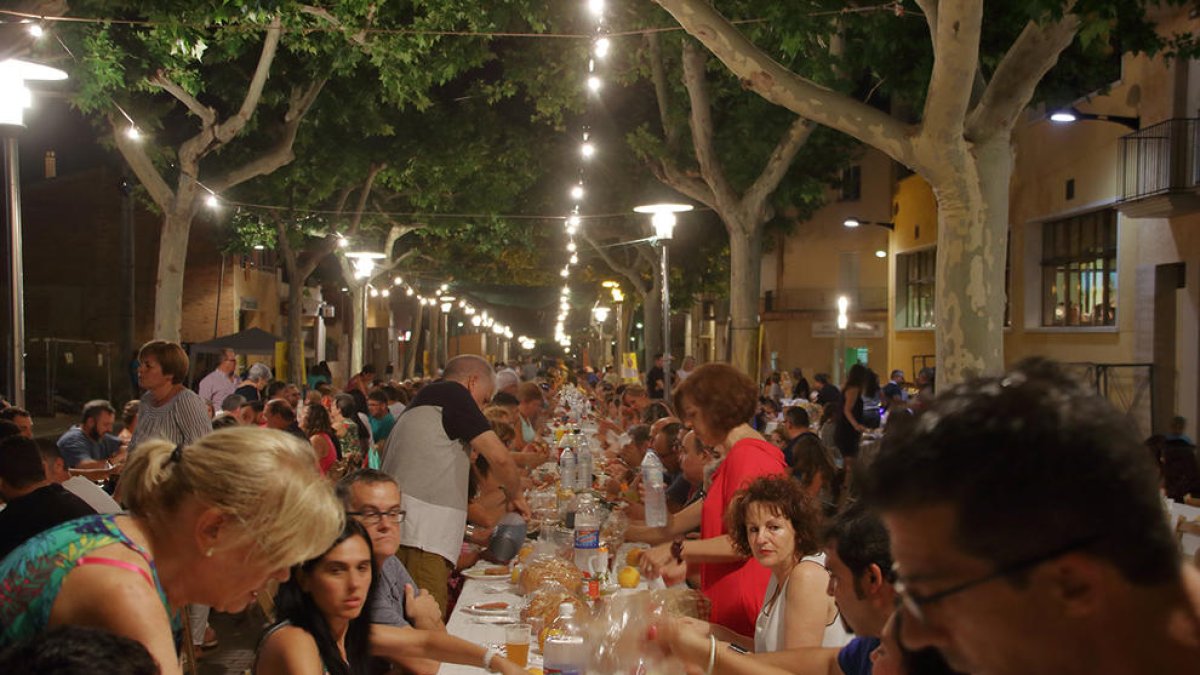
(478, 629)
(1190, 543)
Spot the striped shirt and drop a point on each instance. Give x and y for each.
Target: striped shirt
(181, 420)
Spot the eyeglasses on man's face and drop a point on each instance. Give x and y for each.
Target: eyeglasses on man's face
(915, 603)
(371, 517)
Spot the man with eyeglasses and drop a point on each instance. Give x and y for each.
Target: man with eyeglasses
(221, 382)
(1029, 536)
(373, 499)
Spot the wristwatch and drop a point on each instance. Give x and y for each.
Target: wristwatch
(491, 652)
(677, 550)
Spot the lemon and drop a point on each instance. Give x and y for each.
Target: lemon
(628, 577)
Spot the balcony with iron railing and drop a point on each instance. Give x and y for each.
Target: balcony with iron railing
(1159, 170)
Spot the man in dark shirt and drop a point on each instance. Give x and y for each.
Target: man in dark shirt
(34, 503)
(827, 392)
(428, 452)
(893, 391)
(280, 416)
(655, 379)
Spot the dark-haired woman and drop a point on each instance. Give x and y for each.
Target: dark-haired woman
(848, 420)
(318, 427)
(322, 627)
(718, 401)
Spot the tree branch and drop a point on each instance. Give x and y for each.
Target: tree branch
(1031, 56)
(755, 198)
(137, 159)
(633, 275)
(930, 9)
(359, 38)
(779, 85)
(658, 75)
(668, 174)
(207, 115)
(372, 172)
(281, 153)
(695, 63)
(289, 254)
(955, 59)
(231, 127)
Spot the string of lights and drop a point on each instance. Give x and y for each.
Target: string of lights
(594, 84)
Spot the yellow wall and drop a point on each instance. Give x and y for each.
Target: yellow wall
(806, 275)
(915, 215)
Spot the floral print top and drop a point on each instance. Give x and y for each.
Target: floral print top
(31, 576)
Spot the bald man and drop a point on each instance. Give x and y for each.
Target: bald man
(429, 454)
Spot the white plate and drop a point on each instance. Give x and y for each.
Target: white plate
(481, 608)
(477, 572)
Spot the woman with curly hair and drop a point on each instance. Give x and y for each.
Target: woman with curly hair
(777, 522)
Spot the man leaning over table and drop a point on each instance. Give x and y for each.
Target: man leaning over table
(373, 499)
(428, 452)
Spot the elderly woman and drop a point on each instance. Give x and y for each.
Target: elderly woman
(208, 523)
(257, 379)
(168, 410)
(718, 401)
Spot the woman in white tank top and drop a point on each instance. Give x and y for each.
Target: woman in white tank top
(775, 521)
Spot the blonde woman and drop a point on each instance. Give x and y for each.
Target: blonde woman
(208, 523)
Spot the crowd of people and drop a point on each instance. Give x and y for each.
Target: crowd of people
(1005, 525)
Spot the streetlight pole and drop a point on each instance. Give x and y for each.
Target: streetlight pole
(14, 98)
(663, 220)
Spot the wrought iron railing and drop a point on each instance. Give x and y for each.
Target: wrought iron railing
(1161, 158)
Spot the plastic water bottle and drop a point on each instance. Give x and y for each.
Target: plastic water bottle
(588, 519)
(655, 489)
(567, 466)
(564, 652)
(583, 455)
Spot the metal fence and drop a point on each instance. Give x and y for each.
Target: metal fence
(1160, 158)
(1128, 387)
(62, 375)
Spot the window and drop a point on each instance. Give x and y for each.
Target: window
(914, 284)
(1079, 270)
(852, 183)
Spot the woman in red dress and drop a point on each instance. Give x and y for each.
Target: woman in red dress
(718, 401)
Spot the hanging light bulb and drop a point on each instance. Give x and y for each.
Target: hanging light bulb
(577, 191)
(573, 221)
(571, 247)
(587, 150)
(574, 259)
(596, 7)
(36, 30)
(397, 281)
(133, 134)
(386, 293)
(600, 49)
(409, 292)
(594, 83)
(212, 201)
(566, 272)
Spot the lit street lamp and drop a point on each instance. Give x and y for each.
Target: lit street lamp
(663, 220)
(364, 269)
(14, 98)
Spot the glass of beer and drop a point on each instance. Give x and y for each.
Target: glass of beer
(516, 643)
